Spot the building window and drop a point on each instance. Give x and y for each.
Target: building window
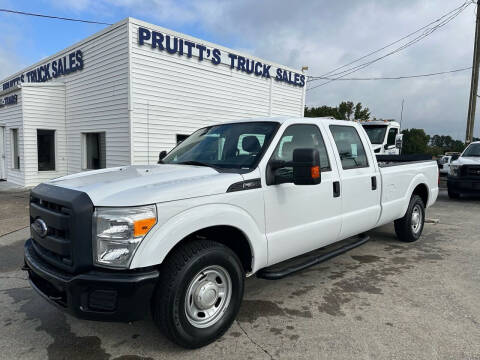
(94, 151)
(181, 137)
(15, 147)
(46, 150)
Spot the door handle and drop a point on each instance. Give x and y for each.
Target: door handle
(374, 183)
(336, 188)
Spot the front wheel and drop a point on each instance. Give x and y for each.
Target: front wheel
(452, 194)
(410, 227)
(199, 293)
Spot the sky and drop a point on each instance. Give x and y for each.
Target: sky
(320, 34)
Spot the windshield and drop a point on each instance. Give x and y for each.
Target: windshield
(472, 150)
(376, 133)
(236, 145)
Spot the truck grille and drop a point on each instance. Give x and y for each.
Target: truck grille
(472, 170)
(55, 246)
(60, 227)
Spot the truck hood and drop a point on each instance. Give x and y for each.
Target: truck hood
(467, 160)
(147, 184)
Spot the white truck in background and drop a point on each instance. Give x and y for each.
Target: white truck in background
(445, 161)
(464, 173)
(384, 135)
(230, 201)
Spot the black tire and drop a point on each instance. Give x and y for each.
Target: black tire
(404, 227)
(169, 304)
(452, 194)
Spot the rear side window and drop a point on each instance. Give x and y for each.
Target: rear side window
(349, 146)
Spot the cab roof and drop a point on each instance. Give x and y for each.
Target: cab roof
(280, 119)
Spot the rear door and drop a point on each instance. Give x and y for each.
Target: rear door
(359, 178)
(301, 218)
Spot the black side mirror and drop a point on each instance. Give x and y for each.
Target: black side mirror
(306, 167)
(161, 156)
(386, 146)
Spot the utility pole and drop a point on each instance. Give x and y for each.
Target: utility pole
(401, 113)
(472, 104)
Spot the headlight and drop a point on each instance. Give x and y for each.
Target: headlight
(117, 232)
(454, 170)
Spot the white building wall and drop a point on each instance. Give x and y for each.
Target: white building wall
(43, 109)
(96, 100)
(172, 94)
(11, 118)
(284, 99)
(140, 97)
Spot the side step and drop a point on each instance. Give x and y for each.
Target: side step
(276, 272)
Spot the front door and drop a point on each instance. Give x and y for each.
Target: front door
(301, 218)
(360, 180)
(3, 174)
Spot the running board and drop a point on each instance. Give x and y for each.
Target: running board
(275, 272)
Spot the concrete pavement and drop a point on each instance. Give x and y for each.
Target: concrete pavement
(13, 207)
(383, 300)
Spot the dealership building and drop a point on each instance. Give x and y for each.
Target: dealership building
(126, 93)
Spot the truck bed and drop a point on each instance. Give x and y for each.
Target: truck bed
(383, 164)
(398, 181)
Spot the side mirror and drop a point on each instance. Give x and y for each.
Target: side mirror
(306, 167)
(161, 156)
(399, 141)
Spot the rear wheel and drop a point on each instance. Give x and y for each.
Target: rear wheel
(410, 227)
(199, 293)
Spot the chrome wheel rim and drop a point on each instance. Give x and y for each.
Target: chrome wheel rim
(208, 296)
(416, 219)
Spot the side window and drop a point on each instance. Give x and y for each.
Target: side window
(350, 147)
(392, 133)
(298, 137)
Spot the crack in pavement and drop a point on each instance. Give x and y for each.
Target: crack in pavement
(253, 341)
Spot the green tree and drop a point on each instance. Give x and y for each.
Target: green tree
(415, 141)
(322, 111)
(361, 113)
(439, 144)
(346, 110)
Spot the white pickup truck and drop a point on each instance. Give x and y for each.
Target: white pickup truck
(464, 173)
(232, 200)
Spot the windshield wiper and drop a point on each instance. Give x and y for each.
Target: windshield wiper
(196, 163)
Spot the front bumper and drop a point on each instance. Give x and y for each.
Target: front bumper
(94, 295)
(464, 186)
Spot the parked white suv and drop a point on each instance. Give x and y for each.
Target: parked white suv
(230, 201)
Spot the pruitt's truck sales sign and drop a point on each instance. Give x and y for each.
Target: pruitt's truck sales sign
(174, 45)
(62, 66)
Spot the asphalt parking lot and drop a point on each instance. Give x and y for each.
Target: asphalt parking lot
(383, 300)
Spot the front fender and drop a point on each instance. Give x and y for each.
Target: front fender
(158, 243)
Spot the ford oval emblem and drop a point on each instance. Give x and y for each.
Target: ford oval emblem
(40, 227)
